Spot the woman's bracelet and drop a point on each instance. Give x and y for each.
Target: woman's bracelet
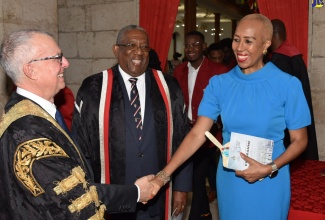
(162, 175)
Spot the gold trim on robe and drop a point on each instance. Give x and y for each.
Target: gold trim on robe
(27, 107)
(99, 214)
(77, 176)
(85, 200)
(24, 157)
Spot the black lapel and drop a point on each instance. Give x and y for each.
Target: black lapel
(117, 130)
(160, 119)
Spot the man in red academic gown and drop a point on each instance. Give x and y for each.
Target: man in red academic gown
(287, 58)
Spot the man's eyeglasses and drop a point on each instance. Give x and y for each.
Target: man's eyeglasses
(134, 47)
(195, 45)
(56, 57)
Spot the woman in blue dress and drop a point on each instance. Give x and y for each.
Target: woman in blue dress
(258, 100)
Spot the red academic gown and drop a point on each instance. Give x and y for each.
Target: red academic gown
(207, 70)
(287, 58)
(64, 101)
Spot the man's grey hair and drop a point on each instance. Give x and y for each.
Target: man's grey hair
(17, 50)
(123, 31)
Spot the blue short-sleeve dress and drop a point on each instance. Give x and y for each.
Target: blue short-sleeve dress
(261, 104)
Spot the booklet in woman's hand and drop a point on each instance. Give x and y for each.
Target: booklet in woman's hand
(260, 149)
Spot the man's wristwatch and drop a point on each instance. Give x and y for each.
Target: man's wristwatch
(274, 170)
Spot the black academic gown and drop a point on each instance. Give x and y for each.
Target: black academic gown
(86, 120)
(288, 60)
(35, 155)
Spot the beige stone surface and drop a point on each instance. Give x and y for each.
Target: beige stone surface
(69, 44)
(320, 127)
(1, 11)
(96, 44)
(34, 11)
(316, 76)
(113, 16)
(72, 19)
(78, 70)
(317, 73)
(3, 100)
(318, 33)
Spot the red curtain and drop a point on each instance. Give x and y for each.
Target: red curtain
(294, 14)
(158, 18)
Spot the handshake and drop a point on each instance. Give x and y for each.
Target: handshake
(150, 185)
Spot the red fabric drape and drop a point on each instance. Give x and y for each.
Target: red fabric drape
(158, 18)
(294, 14)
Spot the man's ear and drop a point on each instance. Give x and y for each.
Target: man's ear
(115, 50)
(29, 71)
(267, 44)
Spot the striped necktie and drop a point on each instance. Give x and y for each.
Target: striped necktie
(136, 107)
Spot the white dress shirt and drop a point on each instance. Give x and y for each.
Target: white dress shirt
(192, 74)
(49, 107)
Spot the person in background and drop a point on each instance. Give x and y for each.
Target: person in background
(215, 53)
(193, 76)
(43, 173)
(176, 61)
(154, 61)
(129, 120)
(229, 57)
(287, 58)
(255, 99)
(172, 64)
(64, 101)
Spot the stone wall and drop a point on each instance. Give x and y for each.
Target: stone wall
(87, 32)
(316, 70)
(21, 14)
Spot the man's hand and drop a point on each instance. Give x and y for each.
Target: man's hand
(145, 187)
(157, 184)
(179, 202)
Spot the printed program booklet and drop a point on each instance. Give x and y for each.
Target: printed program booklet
(260, 149)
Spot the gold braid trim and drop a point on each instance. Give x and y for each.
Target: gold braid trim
(99, 214)
(24, 157)
(85, 200)
(77, 176)
(27, 107)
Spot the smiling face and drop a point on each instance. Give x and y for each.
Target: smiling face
(133, 62)
(249, 44)
(194, 48)
(47, 75)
